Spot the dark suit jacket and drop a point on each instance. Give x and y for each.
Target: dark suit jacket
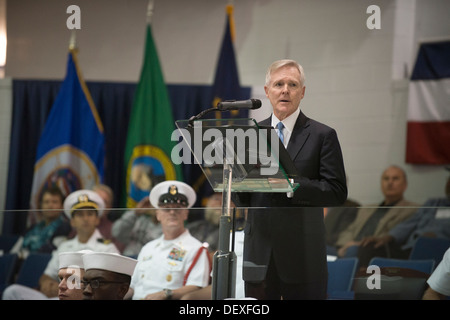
(292, 229)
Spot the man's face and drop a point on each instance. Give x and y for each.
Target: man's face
(69, 287)
(51, 206)
(105, 197)
(213, 209)
(109, 286)
(85, 221)
(393, 183)
(172, 215)
(285, 91)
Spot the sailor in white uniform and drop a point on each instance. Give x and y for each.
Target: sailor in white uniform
(176, 262)
(107, 275)
(84, 209)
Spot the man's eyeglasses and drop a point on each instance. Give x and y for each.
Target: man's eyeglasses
(95, 284)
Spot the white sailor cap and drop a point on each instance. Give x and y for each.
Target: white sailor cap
(172, 191)
(83, 199)
(72, 259)
(110, 262)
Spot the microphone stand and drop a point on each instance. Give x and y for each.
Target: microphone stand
(201, 114)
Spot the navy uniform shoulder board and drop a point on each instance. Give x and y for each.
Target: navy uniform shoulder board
(104, 241)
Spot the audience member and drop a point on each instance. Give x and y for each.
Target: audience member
(84, 208)
(71, 271)
(106, 220)
(107, 276)
(439, 281)
(46, 235)
(336, 220)
(175, 263)
(238, 248)
(431, 220)
(137, 227)
(207, 229)
(378, 219)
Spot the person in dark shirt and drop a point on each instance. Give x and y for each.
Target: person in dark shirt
(45, 235)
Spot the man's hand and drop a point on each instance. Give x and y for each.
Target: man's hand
(428, 235)
(160, 295)
(430, 294)
(48, 286)
(143, 204)
(342, 250)
(377, 241)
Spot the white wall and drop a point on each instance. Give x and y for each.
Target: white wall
(356, 77)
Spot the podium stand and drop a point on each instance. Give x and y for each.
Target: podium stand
(236, 155)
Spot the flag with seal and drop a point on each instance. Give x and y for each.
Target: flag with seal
(70, 152)
(148, 147)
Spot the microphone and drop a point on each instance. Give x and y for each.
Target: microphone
(237, 105)
(228, 105)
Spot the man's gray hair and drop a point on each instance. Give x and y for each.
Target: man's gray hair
(282, 63)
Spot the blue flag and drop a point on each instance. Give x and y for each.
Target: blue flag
(226, 86)
(226, 83)
(70, 153)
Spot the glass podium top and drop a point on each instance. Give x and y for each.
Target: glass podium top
(254, 154)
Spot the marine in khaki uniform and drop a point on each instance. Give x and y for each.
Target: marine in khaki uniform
(175, 263)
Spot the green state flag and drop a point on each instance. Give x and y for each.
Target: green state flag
(149, 146)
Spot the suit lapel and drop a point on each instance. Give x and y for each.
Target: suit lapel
(299, 135)
(266, 122)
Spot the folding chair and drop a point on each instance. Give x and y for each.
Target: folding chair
(397, 279)
(340, 278)
(425, 266)
(7, 241)
(32, 268)
(7, 267)
(429, 248)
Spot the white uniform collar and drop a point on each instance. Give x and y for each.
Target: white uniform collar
(93, 239)
(176, 240)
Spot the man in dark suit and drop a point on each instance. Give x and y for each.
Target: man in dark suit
(284, 248)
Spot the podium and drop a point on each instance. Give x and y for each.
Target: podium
(235, 155)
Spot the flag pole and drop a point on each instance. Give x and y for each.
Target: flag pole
(224, 260)
(74, 53)
(73, 40)
(229, 10)
(150, 11)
